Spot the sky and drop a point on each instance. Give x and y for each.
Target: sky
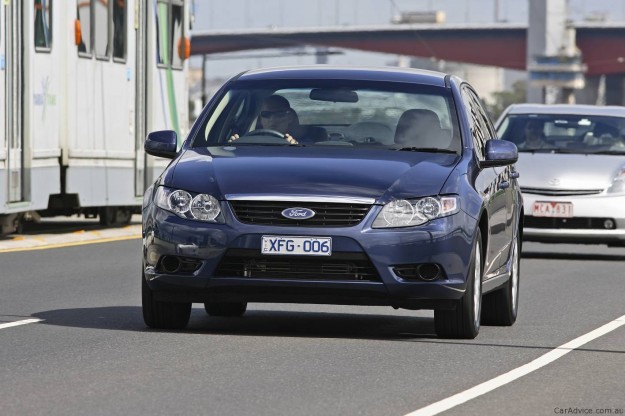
(248, 14)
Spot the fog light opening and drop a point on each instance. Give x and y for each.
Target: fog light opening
(426, 272)
(429, 272)
(170, 264)
(609, 224)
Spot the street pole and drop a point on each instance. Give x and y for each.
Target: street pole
(203, 80)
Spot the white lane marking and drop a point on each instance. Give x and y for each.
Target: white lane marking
(18, 323)
(492, 384)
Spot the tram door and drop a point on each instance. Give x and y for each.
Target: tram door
(14, 103)
(161, 87)
(141, 95)
(3, 137)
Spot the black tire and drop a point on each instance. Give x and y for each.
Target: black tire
(123, 216)
(112, 216)
(464, 321)
(163, 315)
(107, 216)
(500, 308)
(225, 308)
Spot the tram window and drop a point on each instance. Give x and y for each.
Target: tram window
(162, 23)
(43, 25)
(119, 30)
(84, 18)
(176, 35)
(169, 33)
(101, 32)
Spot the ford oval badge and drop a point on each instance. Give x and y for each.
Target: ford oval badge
(298, 213)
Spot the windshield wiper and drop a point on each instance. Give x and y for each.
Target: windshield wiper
(542, 150)
(574, 151)
(425, 149)
(235, 144)
(607, 152)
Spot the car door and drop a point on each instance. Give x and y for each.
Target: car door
(490, 183)
(508, 186)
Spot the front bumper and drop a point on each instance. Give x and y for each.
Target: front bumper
(596, 219)
(446, 242)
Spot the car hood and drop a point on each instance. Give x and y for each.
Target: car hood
(567, 171)
(323, 171)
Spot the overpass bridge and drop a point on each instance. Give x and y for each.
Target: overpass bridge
(500, 44)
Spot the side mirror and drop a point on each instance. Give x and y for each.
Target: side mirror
(184, 48)
(162, 144)
(500, 153)
(77, 32)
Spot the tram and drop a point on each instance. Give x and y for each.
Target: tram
(81, 84)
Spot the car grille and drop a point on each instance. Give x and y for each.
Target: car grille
(338, 266)
(561, 192)
(326, 214)
(579, 223)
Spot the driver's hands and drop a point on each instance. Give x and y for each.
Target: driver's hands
(233, 138)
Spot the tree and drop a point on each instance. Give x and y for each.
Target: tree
(502, 99)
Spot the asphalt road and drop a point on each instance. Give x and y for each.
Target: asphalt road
(92, 354)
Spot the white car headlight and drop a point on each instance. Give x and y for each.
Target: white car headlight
(405, 213)
(618, 183)
(200, 207)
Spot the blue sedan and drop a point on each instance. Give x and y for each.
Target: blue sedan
(330, 185)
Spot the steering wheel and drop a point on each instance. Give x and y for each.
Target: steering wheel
(366, 141)
(266, 132)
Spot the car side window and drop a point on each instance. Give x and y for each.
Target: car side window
(491, 133)
(481, 128)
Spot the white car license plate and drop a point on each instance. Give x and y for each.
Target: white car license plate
(552, 209)
(307, 246)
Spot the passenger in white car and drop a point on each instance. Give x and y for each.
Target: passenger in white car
(534, 136)
(608, 135)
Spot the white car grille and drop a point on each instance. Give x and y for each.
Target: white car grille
(560, 192)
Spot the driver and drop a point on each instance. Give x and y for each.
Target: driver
(276, 114)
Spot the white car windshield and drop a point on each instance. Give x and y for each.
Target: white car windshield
(582, 134)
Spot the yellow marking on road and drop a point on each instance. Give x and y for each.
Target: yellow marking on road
(71, 244)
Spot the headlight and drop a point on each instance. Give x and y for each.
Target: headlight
(618, 183)
(404, 213)
(200, 207)
(147, 197)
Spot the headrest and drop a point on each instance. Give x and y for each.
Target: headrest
(420, 127)
(602, 128)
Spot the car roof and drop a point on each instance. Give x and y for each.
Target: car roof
(572, 109)
(391, 74)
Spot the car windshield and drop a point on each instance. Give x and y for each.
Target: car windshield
(581, 134)
(352, 114)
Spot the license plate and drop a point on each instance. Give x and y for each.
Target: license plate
(307, 246)
(552, 209)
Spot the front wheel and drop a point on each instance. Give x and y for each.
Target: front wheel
(163, 315)
(464, 321)
(501, 307)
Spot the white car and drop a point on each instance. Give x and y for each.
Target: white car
(573, 178)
